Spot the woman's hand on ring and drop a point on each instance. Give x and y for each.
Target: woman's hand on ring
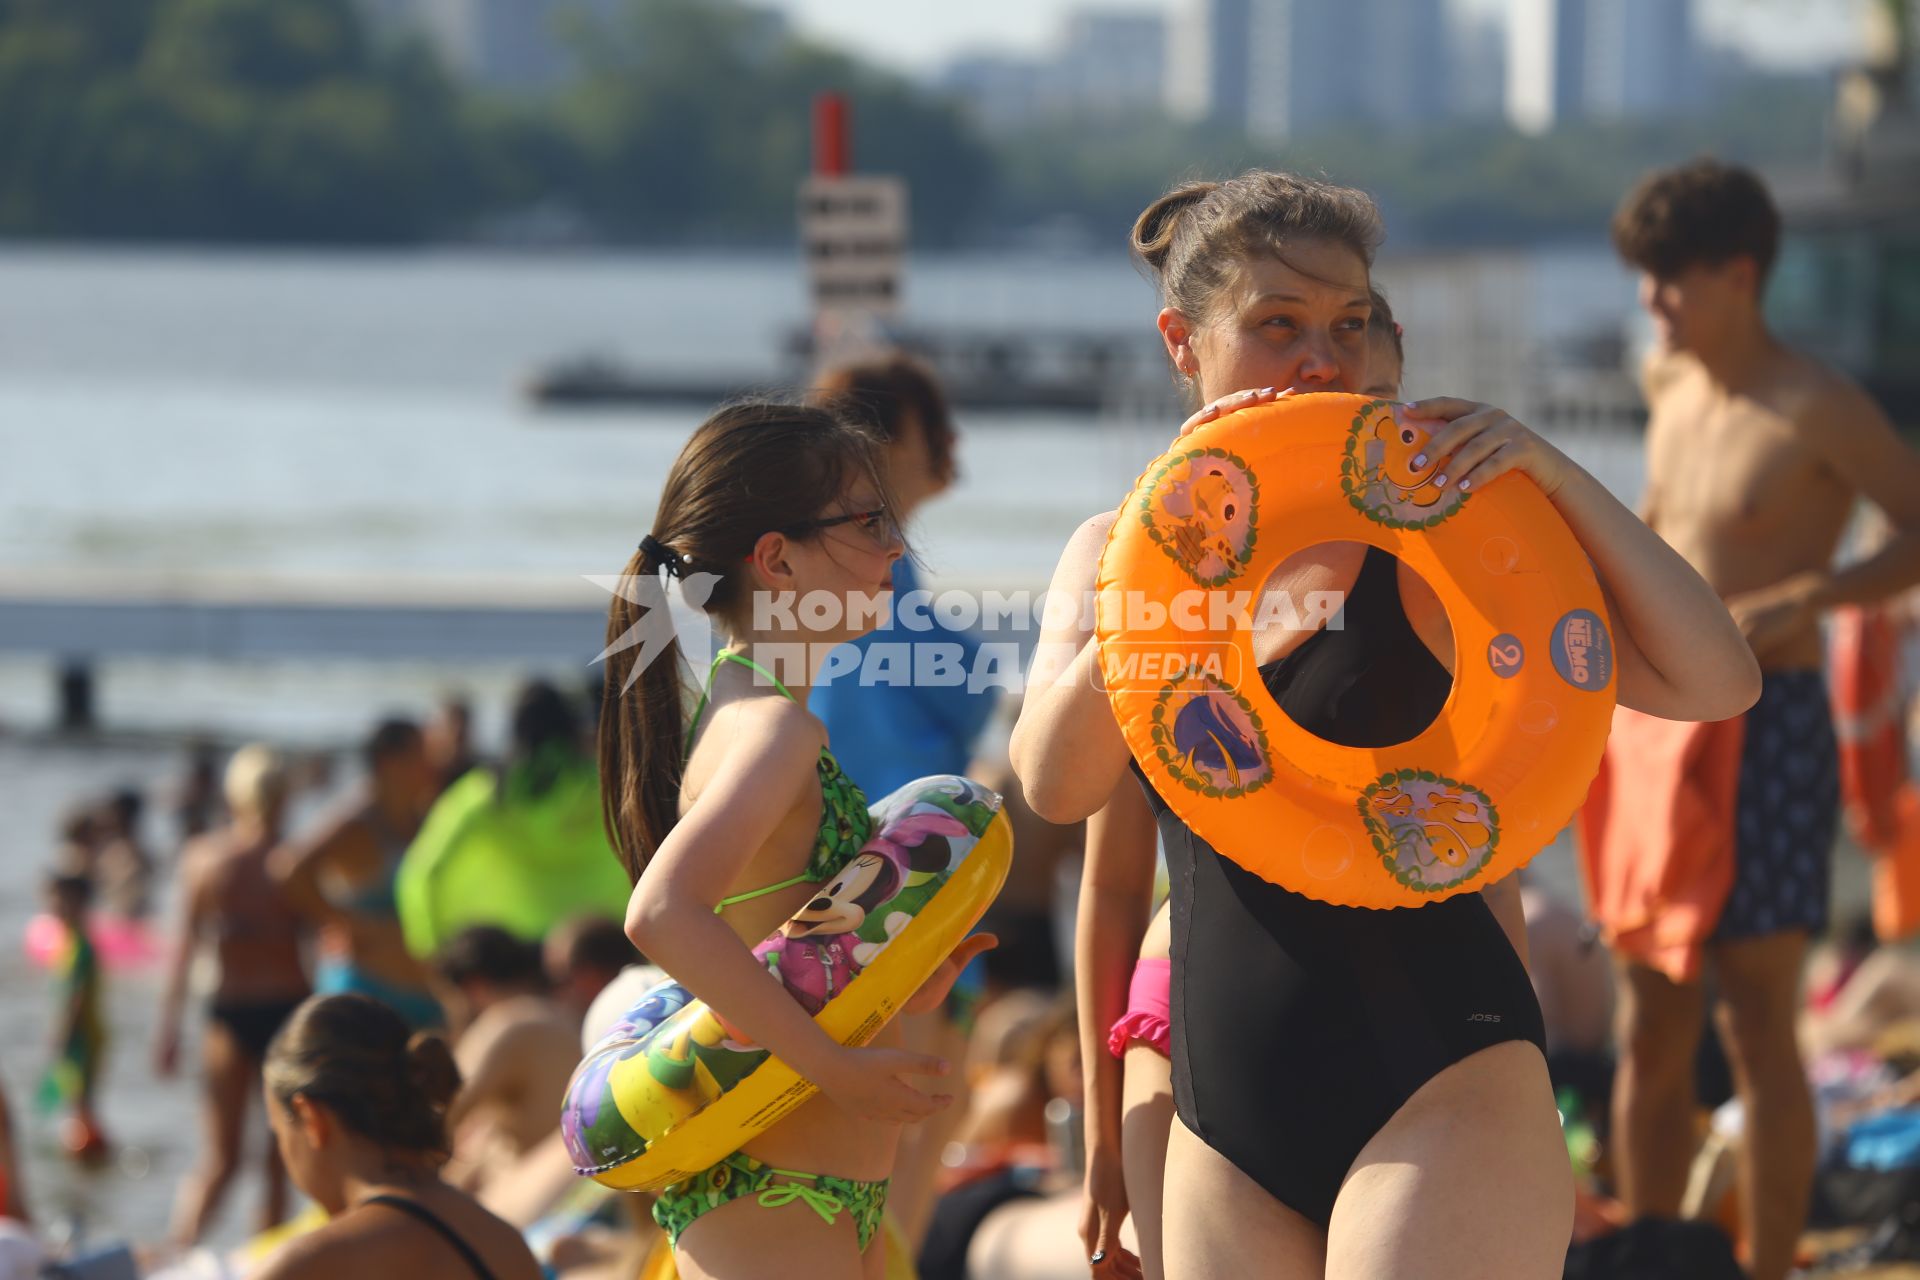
(1480, 443)
(1228, 404)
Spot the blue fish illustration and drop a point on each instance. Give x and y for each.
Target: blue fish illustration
(1211, 741)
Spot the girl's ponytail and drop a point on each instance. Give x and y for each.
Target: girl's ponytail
(748, 470)
(642, 717)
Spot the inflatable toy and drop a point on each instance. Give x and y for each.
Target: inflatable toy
(121, 943)
(1869, 719)
(671, 1088)
(1473, 796)
(526, 854)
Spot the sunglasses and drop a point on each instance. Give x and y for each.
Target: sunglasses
(876, 524)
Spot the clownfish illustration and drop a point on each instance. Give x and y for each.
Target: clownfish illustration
(1403, 481)
(1393, 803)
(1452, 828)
(1456, 829)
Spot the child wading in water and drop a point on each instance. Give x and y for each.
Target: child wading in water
(730, 819)
(79, 1034)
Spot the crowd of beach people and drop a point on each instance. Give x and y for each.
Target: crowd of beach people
(1146, 1061)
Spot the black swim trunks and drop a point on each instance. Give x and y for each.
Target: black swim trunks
(1787, 811)
(1299, 1028)
(252, 1024)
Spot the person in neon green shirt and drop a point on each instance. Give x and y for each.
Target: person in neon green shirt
(521, 846)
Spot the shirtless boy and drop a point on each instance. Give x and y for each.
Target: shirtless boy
(1756, 454)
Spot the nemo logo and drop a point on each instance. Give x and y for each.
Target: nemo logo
(1582, 650)
(1579, 642)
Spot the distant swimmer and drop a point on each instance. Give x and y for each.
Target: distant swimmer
(126, 867)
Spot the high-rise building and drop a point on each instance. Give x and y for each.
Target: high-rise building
(1407, 41)
(1544, 66)
(1110, 62)
(1640, 59)
(1001, 92)
(1600, 59)
(515, 45)
(1295, 88)
(1476, 80)
(1207, 61)
(1107, 63)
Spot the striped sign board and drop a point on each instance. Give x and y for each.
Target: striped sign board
(853, 229)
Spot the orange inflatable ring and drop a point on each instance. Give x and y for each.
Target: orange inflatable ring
(1869, 720)
(1482, 788)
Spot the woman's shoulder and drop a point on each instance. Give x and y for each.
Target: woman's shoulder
(1081, 556)
(780, 720)
(497, 1241)
(380, 1240)
(1094, 529)
(354, 1241)
(762, 733)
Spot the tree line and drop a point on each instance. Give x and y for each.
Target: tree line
(687, 122)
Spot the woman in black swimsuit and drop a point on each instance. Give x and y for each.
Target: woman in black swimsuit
(1359, 1093)
(358, 1104)
(231, 906)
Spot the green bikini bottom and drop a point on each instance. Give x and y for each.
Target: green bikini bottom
(684, 1203)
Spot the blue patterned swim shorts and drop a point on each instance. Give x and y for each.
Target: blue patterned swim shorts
(1787, 812)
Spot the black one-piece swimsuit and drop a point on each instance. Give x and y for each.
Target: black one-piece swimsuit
(1299, 1028)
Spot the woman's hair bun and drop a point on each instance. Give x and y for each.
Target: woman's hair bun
(431, 1067)
(1154, 229)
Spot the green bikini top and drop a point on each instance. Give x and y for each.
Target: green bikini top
(845, 823)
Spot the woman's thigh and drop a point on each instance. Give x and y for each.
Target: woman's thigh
(1469, 1179)
(228, 1080)
(1216, 1221)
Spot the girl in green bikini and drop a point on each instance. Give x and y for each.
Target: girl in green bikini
(730, 818)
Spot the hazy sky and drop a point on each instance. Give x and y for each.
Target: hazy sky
(924, 33)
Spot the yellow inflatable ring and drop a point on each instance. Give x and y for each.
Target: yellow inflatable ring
(1470, 799)
(669, 1091)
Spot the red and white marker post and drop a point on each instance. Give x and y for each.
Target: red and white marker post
(853, 230)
